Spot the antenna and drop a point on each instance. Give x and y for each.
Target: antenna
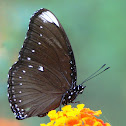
(95, 74)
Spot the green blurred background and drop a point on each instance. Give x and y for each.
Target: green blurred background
(97, 32)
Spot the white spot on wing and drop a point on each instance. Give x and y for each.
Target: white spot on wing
(33, 50)
(41, 27)
(40, 34)
(15, 99)
(20, 84)
(28, 58)
(41, 68)
(15, 62)
(71, 62)
(39, 43)
(81, 91)
(13, 73)
(14, 96)
(16, 105)
(71, 93)
(30, 66)
(69, 97)
(25, 115)
(48, 16)
(19, 56)
(23, 71)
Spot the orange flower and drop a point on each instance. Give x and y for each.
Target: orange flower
(9, 122)
(79, 116)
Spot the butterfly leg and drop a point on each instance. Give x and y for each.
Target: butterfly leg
(61, 101)
(75, 102)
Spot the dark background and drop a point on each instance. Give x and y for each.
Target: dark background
(97, 32)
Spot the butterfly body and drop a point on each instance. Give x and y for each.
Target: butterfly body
(45, 74)
(72, 93)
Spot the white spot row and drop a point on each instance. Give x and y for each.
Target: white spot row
(21, 116)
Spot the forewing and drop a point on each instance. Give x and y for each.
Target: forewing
(47, 43)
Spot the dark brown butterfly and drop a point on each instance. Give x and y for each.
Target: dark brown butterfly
(44, 77)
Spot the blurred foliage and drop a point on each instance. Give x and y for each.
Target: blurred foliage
(96, 30)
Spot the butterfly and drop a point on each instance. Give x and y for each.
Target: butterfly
(44, 77)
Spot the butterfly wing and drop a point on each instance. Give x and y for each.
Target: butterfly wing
(45, 69)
